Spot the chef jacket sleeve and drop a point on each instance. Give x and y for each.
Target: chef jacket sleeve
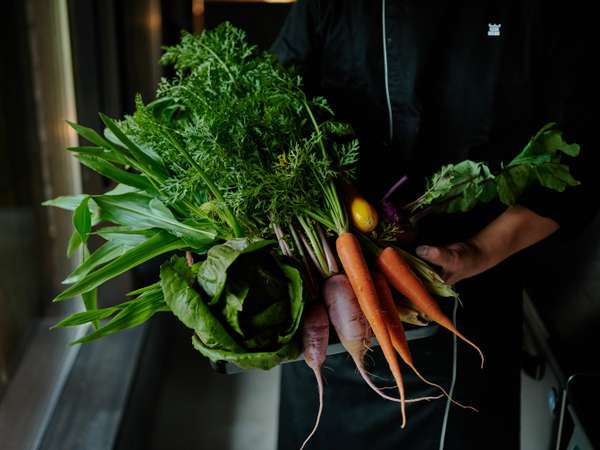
(299, 41)
(564, 79)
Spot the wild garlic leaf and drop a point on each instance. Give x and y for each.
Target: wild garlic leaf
(108, 170)
(125, 236)
(90, 302)
(161, 243)
(82, 220)
(212, 274)
(105, 253)
(84, 317)
(139, 210)
(133, 314)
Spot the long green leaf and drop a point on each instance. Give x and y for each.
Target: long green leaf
(67, 202)
(152, 165)
(74, 243)
(159, 244)
(142, 290)
(71, 202)
(99, 152)
(134, 314)
(142, 211)
(147, 150)
(90, 301)
(114, 173)
(104, 254)
(82, 220)
(81, 318)
(90, 134)
(125, 235)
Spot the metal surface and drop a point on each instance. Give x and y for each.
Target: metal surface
(550, 419)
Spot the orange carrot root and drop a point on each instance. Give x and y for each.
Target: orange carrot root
(355, 266)
(398, 337)
(399, 274)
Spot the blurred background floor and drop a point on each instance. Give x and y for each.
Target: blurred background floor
(198, 408)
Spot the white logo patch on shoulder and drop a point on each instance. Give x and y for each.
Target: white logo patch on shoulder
(494, 29)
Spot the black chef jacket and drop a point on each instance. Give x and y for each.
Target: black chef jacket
(423, 84)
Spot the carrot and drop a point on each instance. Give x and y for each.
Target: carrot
(408, 314)
(355, 266)
(315, 337)
(400, 275)
(352, 327)
(397, 334)
(349, 322)
(395, 327)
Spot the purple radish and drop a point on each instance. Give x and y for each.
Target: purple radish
(352, 327)
(315, 337)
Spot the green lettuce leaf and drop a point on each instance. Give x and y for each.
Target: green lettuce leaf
(234, 304)
(296, 298)
(212, 274)
(189, 307)
(250, 360)
(273, 315)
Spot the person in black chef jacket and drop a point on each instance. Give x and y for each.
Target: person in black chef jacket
(424, 84)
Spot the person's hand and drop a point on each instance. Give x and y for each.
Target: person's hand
(457, 261)
(512, 231)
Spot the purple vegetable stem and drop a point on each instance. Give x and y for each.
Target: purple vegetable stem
(393, 189)
(390, 213)
(423, 213)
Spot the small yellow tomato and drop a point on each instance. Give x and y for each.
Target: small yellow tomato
(364, 216)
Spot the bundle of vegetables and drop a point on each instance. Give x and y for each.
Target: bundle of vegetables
(212, 167)
(231, 160)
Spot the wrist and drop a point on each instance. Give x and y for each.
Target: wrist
(482, 252)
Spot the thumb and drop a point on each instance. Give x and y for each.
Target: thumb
(439, 256)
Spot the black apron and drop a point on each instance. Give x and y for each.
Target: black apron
(464, 80)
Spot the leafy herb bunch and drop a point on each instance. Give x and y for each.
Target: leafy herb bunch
(245, 121)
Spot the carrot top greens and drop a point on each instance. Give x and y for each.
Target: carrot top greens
(238, 116)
